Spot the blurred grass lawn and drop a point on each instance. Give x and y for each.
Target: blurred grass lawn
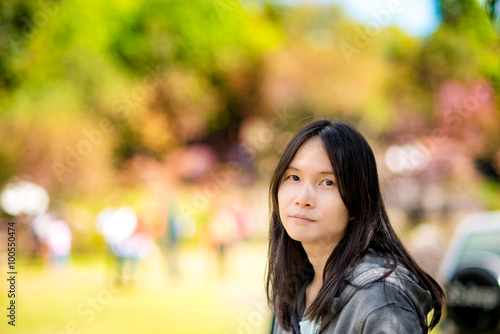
(82, 299)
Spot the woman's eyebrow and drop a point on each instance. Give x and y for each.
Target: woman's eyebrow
(298, 170)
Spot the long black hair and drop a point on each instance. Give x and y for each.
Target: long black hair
(356, 174)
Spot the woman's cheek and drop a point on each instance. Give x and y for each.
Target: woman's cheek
(283, 192)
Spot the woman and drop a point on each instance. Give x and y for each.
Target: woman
(335, 265)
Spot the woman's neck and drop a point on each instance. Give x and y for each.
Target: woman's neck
(317, 255)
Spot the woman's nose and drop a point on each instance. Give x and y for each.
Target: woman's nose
(305, 196)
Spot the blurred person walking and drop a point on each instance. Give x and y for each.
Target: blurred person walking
(222, 233)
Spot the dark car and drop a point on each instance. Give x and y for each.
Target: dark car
(471, 273)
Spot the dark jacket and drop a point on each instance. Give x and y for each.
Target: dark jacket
(398, 304)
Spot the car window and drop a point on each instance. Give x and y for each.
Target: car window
(489, 242)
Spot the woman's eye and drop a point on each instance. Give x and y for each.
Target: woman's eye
(293, 177)
(328, 182)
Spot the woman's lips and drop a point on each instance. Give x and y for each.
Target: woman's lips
(302, 219)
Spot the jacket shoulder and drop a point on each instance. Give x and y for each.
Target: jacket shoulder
(373, 292)
(381, 307)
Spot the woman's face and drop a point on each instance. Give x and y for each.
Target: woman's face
(310, 205)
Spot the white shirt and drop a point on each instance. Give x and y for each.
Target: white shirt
(308, 327)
